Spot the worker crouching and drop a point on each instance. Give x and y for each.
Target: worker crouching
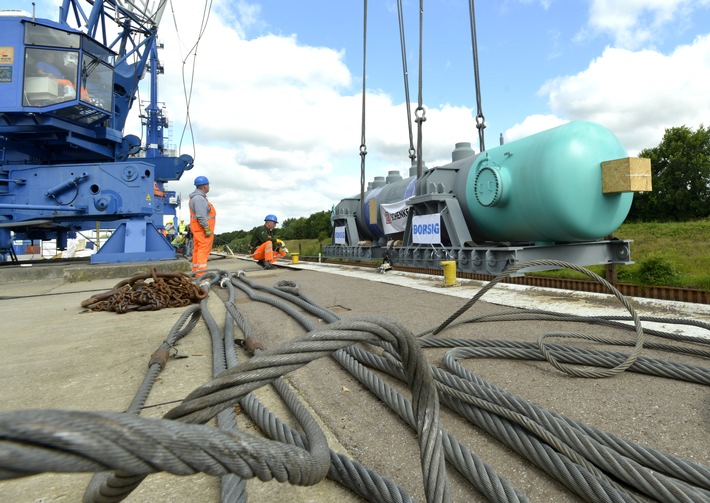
(265, 248)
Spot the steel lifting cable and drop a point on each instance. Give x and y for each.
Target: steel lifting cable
(571, 476)
(480, 475)
(480, 119)
(233, 488)
(420, 113)
(586, 479)
(412, 152)
(606, 372)
(651, 472)
(350, 474)
(432, 461)
(344, 470)
(572, 469)
(102, 486)
(676, 480)
(363, 146)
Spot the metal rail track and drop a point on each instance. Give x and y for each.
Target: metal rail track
(691, 295)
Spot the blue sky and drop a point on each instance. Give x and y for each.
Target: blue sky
(276, 107)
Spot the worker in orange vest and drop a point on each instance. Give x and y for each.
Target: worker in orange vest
(202, 222)
(265, 248)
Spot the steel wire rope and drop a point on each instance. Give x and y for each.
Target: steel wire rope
(611, 321)
(420, 113)
(484, 478)
(363, 145)
(434, 488)
(522, 350)
(344, 470)
(595, 373)
(678, 468)
(539, 454)
(480, 119)
(125, 485)
(551, 346)
(400, 19)
(69, 441)
(551, 460)
(110, 487)
(480, 475)
(208, 399)
(92, 433)
(206, 12)
(652, 480)
(250, 403)
(581, 478)
(288, 291)
(106, 487)
(304, 418)
(589, 480)
(233, 489)
(698, 370)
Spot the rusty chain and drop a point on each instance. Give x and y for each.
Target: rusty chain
(138, 293)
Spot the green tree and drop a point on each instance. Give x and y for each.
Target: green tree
(306, 227)
(680, 166)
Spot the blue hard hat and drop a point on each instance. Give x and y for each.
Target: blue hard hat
(271, 218)
(201, 180)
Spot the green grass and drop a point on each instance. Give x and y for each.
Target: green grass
(309, 247)
(676, 252)
(683, 247)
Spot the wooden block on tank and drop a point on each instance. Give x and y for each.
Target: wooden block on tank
(630, 174)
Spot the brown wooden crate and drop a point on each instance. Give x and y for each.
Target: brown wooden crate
(630, 174)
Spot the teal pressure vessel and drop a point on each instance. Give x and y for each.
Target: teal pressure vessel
(545, 188)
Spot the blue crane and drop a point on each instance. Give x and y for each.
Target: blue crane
(66, 167)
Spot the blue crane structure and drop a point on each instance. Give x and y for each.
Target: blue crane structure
(66, 167)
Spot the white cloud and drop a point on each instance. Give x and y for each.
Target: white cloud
(533, 124)
(277, 124)
(637, 23)
(638, 94)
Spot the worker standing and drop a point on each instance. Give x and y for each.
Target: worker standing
(202, 222)
(265, 248)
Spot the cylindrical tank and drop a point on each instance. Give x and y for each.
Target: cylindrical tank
(398, 189)
(380, 191)
(544, 188)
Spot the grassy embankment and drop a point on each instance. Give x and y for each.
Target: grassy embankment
(664, 254)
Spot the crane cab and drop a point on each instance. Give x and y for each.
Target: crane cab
(49, 70)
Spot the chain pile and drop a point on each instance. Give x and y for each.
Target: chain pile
(167, 289)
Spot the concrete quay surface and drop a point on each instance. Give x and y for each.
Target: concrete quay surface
(58, 355)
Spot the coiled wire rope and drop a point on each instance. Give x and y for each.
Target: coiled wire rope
(593, 464)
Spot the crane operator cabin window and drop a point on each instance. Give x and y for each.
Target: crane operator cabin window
(63, 67)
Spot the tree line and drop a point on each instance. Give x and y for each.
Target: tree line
(680, 170)
(316, 226)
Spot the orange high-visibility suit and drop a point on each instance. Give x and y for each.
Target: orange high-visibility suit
(265, 247)
(265, 251)
(203, 216)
